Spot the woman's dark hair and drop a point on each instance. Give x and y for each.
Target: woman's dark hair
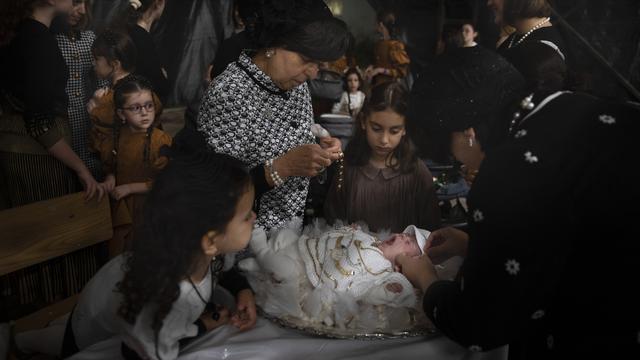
(514, 10)
(196, 193)
(115, 45)
(463, 88)
(351, 71)
(12, 12)
(392, 96)
(125, 87)
(303, 26)
(542, 66)
(388, 19)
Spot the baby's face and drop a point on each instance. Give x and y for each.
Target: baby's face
(400, 244)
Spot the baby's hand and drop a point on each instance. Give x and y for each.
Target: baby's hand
(394, 287)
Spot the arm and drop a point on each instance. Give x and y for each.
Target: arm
(509, 271)
(40, 110)
(246, 315)
(124, 190)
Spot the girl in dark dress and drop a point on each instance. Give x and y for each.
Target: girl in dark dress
(385, 184)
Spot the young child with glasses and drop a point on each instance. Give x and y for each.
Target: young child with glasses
(131, 156)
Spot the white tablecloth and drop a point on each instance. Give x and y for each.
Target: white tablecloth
(269, 341)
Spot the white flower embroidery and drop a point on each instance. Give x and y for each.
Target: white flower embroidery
(530, 158)
(550, 342)
(512, 267)
(475, 348)
(478, 216)
(521, 133)
(435, 311)
(607, 119)
(537, 315)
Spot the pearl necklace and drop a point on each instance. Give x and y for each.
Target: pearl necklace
(534, 28)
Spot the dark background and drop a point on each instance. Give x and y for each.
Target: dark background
(190, 31)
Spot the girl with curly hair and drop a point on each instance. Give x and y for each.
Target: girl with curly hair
(165, 291)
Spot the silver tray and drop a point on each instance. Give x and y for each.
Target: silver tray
(425, 328)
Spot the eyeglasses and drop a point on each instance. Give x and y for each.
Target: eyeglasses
(137, 109)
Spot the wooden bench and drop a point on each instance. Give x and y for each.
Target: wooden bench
(41, 231)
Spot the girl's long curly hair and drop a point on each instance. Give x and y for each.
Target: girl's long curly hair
(197, 192)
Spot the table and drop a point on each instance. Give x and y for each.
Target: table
(268, 341)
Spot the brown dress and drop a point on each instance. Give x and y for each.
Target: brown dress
(385, 199)
(130, 168)
(391, 55)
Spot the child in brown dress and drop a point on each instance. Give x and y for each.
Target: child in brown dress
(131, 156)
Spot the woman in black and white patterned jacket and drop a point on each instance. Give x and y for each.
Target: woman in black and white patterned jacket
(74, 41)
(259, 109)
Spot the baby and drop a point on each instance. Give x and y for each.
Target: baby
(329, 276)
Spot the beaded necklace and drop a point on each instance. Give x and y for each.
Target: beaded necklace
(534, 28)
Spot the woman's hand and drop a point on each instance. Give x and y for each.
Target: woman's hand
(245, 318)
(333, 146)
(446, 243)
(109, 183)
(418, 270)
(90, 185)
(210, 323)
(121, 191)
(305, 160)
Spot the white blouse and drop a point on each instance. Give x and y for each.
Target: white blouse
(349, 101)
(95, 317)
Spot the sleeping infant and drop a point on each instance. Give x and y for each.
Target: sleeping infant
(341, 276)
